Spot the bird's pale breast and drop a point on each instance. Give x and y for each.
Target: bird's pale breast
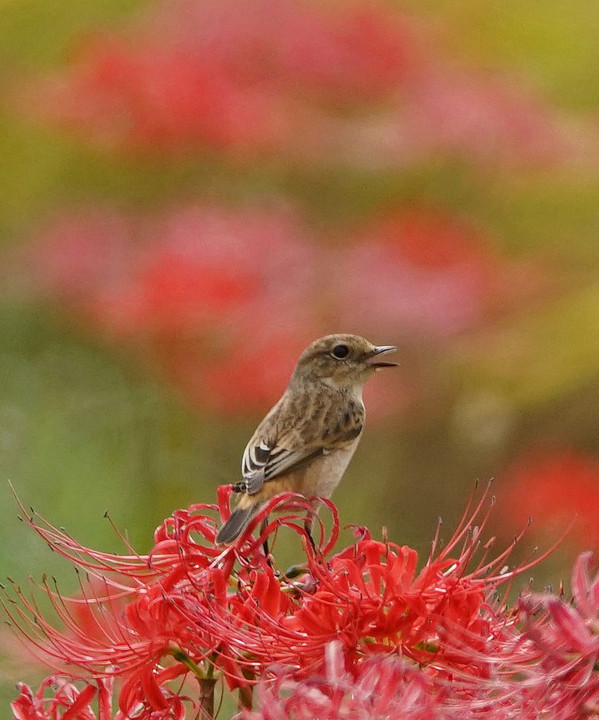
(324, 474)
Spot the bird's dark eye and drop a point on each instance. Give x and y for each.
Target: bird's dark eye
(340, 351)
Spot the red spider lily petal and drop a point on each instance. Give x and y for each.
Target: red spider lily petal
(106, 688)
(569, 657)
(150, 691)
(384, 687)
(67, 702)
(80, 708)
(145, 696)
(224, 494)
(356, 594)
(573, 628)
(568, 629)
(24, 706)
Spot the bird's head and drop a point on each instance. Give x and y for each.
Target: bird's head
(342, 360)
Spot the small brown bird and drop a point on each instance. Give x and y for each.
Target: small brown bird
(305, 443)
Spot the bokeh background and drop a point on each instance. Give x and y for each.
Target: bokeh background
(194, 190)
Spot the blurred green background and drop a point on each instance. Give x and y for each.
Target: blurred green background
(85, 427)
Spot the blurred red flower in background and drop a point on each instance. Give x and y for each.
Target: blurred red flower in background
(227, 76)
(185, 272)
(354, 53)
(222, 300)
(487, 119)
(554, 489)
(423, 273)
(347, 83)
(158, 98)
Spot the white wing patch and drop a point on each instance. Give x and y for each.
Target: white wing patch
(261, 463)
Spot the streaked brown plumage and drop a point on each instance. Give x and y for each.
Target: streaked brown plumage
(306, 441)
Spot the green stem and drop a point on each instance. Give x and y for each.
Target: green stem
(181, 657)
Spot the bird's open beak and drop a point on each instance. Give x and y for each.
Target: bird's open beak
(377, 352)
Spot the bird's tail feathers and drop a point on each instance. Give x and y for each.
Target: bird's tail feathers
(235, 525)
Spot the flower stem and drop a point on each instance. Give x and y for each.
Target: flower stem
(206, 698)
(181, 657)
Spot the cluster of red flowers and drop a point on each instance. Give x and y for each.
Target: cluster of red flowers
(351, 83)
(358, 633)
(204, 292)
(195, 290)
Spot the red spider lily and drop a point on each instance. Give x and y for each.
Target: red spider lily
(370, 597)
(229, 78)
(184, 272)
(158, 617)
(553, 488)
(352, 83)
(159, 97)
(568, 636)
(556, 677)
(384, 688)
(189, 607)
(333, 53)
(423, 272)
(193, 290)
(482, 118)
(59, 698)
(190, 610)
(182, 289)
(66, 701)
(391, 688)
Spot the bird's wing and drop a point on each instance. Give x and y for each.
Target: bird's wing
(266, 458)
